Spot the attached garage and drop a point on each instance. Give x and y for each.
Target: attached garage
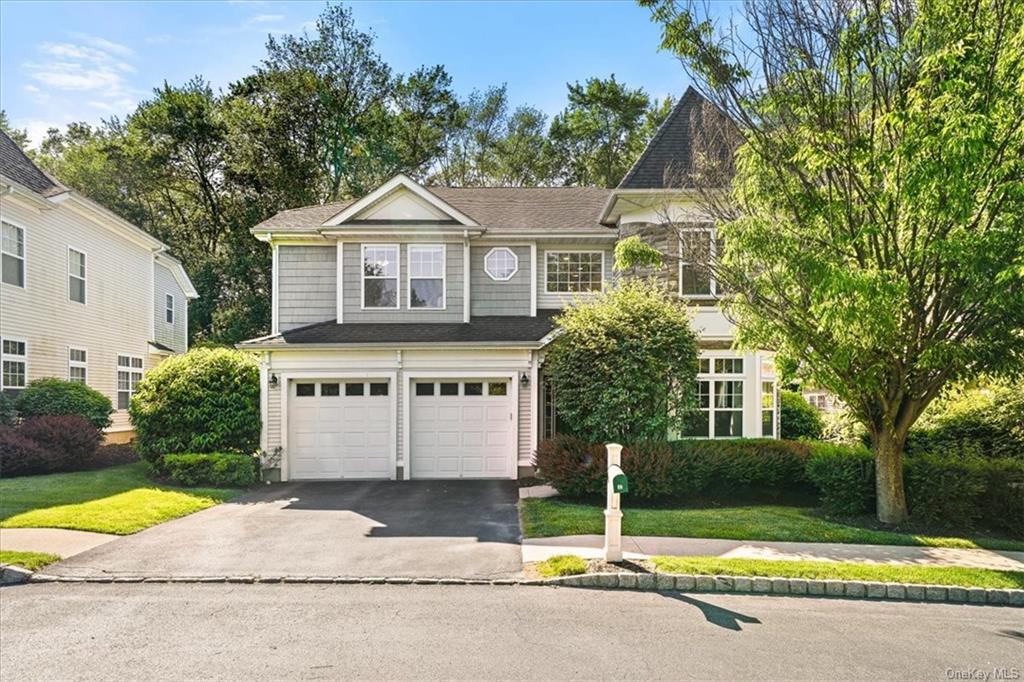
(340, 428)
(462, 428)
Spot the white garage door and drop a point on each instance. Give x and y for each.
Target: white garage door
(340, 429)
(462, 428)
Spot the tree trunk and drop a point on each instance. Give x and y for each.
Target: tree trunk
(892, 502)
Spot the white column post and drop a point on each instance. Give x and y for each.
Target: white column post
(613, 513)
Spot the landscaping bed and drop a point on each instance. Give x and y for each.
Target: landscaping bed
(552, 517)
(119, 500)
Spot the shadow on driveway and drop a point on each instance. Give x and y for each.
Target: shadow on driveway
(465, 529)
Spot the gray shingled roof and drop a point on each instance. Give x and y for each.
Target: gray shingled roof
(481, 329)
(523, 209)
(668, 158)
(18, 167)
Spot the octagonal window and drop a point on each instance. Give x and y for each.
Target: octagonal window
(501, 264)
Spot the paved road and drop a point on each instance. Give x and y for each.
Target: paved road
(463, 529)
(280, 632)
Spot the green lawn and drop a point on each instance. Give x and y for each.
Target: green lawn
(827, 570)
(552, 517)
(33, 561)
(119, 500)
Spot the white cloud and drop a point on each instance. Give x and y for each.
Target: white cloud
(105, 45)
(265, 18)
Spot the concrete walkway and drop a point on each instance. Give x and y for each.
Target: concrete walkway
(63, 543)
(642, 547)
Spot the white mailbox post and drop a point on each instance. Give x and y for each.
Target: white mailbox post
(613, 512)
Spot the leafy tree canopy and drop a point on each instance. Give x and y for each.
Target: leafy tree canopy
(874, 227)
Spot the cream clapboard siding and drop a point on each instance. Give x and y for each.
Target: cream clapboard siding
(117, 317)
(173, 335)
(546, 300)
(273, 418)
(526, 444)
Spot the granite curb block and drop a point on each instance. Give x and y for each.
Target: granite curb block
(14, 575)
(651, 582)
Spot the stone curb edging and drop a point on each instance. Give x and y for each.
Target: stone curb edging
(14, 575)
(654, 582)
(849, 589)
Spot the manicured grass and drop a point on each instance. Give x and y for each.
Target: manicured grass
(33, 561)
(562, 564)
(549, 517)
(119, 500)
(827, 570)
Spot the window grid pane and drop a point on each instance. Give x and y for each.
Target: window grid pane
(380, 277)
(574, 272)
(12, 261)
(501, 264)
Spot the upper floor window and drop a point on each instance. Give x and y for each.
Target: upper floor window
(380, 276)
(501, 264)
(14, 362)
(695, 253)
(12, 248)
(574, 272)
(129, 374)
(76, 275)
(78, 368)
(426, 276)
(169, 308)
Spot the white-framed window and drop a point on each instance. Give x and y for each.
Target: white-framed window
(719, 400)
(427, 276)
(169, 308)
(573, 272)
(76, 275)
(819, 401)
(129, 374)
(768, 409)
(12, 255)
(14, 363)
(501, 264)
(696, 249)
(380, 276)
(78, 365)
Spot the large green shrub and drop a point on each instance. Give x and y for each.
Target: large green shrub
(56, 396)
(575, 467)
(844, 477)
(624, 368)
(206, 400)
(797, 418)
(1002, 501)
(8, 409)
(987, 419)
(48, 444)
(216, 469)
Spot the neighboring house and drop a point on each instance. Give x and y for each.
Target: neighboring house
(85, 295)
(822, 400)
(410, 325)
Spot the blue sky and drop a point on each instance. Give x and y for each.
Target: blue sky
(83, 61)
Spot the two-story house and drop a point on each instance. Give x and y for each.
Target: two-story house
(85, 296)
(410, 325)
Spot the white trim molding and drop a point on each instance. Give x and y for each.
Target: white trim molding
(399, 181)
(505, 251)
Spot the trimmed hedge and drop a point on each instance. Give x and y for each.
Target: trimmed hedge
(204, 401)
(57, 396)
(683, 468)
(220, 469)
(942, 490)
(844, 477)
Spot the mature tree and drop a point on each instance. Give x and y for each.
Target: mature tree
(470, 147)
(625, 365)
(874, 228)
(19, 135)
(600, 132)
(523, 157)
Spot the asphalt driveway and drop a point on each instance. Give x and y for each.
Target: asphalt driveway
(464, 529)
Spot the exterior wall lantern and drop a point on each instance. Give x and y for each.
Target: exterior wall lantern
(273, 381)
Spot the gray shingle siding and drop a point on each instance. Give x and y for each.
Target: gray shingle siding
(353, 289)
(172, 335)
(490, 297)
(307, 285)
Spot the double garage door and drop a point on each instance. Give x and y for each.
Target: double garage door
(346, 429)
